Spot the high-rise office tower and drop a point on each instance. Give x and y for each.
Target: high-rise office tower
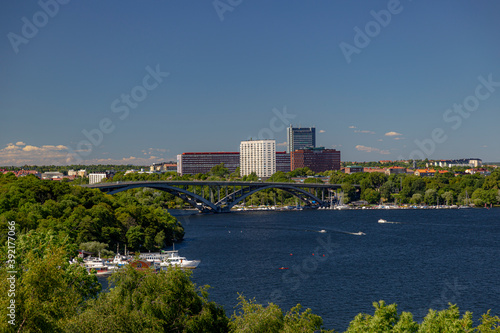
(300, 138)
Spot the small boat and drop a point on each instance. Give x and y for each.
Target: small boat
(283, 268)
(382, 221)
(97, 265)
(359, 233)
(174, 259)
(118, 262)
(322, 231)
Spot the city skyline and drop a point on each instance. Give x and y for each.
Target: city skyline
(139, 83)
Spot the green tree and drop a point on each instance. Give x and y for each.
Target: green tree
(145, 301)
(97, 249)
(385, 319)
(371, 195)
(448, 197)
(416, 198)
(252, 177)
(447, 320)
(219, 170)
(252, 317)
(430, 196)
(49, 289)
(135, 237)
(349, 192)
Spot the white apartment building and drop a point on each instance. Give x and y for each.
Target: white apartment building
(258, 156)
(95, 178)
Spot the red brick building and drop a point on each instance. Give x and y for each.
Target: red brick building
(282, 161)
(317, 159)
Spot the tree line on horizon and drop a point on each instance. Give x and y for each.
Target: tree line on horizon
(375, 187)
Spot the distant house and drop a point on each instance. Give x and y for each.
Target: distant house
(353, 169)
(425, 172)
(373, 169)
(52, 175)
(481, 171)
(395, 170)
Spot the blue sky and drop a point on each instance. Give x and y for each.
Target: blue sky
(147, 80)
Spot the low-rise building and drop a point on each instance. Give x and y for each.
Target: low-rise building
(481, 171)
(163, 167)
(374, 169)
(52, 175)
(395, 170)
(22, 173)
(97, 177)
(203, 162)
(425, 172)
(353, 169)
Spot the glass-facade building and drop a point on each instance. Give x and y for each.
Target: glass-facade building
(300, 138)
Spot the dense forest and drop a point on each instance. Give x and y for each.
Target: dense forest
(85, 215)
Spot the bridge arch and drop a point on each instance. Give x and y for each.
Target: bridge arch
(232, 199)
(195, 200)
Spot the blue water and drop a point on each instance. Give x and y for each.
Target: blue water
(431, 258)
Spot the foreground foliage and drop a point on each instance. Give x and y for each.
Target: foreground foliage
(47, 288)
(145, 301)
(52, 295)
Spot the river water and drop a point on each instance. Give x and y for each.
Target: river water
(429, 258)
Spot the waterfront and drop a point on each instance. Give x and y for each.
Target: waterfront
(433, 257)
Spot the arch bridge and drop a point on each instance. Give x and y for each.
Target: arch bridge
(223, 195)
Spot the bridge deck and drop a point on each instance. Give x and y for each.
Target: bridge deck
(209, 183)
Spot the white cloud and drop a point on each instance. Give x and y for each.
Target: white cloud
(281, 144)
(31, 148)
(150, 151)
(352, 126)
(20, 143)
(371, 150)
(17, 155)
(322, 131)
(364, 131)
(393, 134)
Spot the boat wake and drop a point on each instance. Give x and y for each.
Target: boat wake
(385, 221)
(359, 233)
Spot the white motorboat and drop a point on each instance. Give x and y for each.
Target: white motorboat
(175, 260)
(359, 233)
(322, 231)
(382, 221)
(118, 262)
(97, 265)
